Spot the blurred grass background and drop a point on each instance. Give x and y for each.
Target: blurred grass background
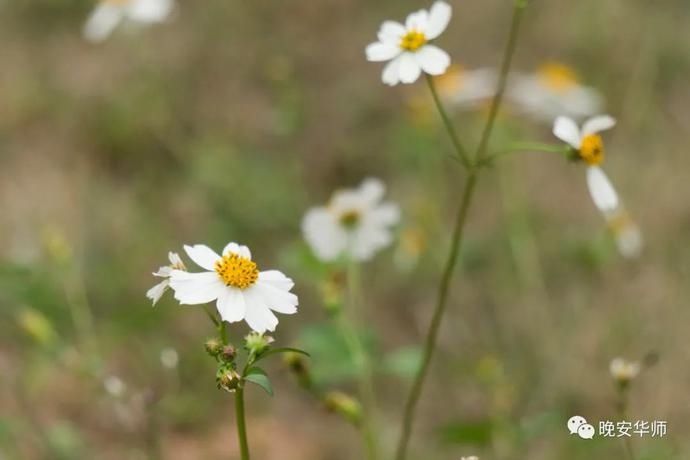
(228, 123)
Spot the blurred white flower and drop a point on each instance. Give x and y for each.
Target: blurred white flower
(407, 46)
(234, 281)
(108, 14)
(466, 88)
(355, 224)
(589, 147)
(473, 457)
(551, 91)
(624, 371)
(114, 386)
(169, 358)
(156, 292)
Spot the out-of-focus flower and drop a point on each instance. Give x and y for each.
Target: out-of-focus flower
(234, 281)
(407, 46)
(169, 358)
(473, 457)
(412, 244)
(356, 223)
(108, 14)
(156, 292)
(623, 371)
(466, 88)
(345, 405)
(553, 90)
(114, 386)
(37, 326)
(588, 146)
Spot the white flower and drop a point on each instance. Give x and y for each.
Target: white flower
(355, 223)
(463, 88)
(589, 147)
(169, 358)
(234, 281)
(114, 386)
(473, 457)
(156, 292)
(624, 371)
(551, 91)
(108, 14)
(407, 46)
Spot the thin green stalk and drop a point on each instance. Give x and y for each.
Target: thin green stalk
(362, 362)
(241, 423)
(623, 415)
(457, 145)
(458, 232)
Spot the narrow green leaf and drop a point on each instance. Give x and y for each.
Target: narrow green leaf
(274, 351)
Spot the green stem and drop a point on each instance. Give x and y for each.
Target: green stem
(241, 424)
(622, 415)
(457, 145)
(362, 363)
(458, 232)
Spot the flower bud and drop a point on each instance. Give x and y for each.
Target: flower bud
(345, 405)
(228, 354)
(213, 347)
(298, 366)
(623, 372)
(227, 378)
(257, 343)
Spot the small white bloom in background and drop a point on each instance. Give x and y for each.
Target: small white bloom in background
(355, 224)
(169, 358)
(108, 14)
(589, 147)
(114, 386)
(234, 282)
(473, 457)
(156, 292)
(467, 88)
(407, 46)
(624, 371)
(553, 90)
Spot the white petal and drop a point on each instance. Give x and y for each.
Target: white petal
(196, 288)
(258, 316)
(439, 17)
(382, 51)
(276, 279)
(231, 305)
(202, 255)
(391, 32)
(602, 192)
(163, 272)
(386, 214)
(156, 292)
(368, 240)
(175, 259)
(409, 68)
(419, 20)
(149, 11)
(432, 59)
(275, 298)
(597, 124)
(566, 130)
(391, 73)
(323, 234)
(629, 241)
(372, 190)
(102, 22)
(234, 248)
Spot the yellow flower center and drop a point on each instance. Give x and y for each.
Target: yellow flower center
(350, 219)
(557, 77)
(413, 40)
(237, 271)
(592, 149)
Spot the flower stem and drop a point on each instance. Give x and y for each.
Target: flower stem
(457, 145)
(241, 424)
(458, 232)
(623, 415)
(362, 362)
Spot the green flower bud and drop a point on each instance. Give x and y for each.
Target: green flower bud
(228, 354)
(213, 347)
(227, 378)
(345, 405)
(257, 343)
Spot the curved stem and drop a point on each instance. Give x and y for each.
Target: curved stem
(457, 145)
(456, 243)
(241, 424)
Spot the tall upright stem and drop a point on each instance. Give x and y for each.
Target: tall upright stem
(458, 232)
(241, 424)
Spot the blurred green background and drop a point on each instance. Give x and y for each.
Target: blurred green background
(228, 123)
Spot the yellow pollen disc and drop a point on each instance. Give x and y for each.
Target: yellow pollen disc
(592, 149)
(557, 77)
(413, 40)
(237, 271)
(350, 219)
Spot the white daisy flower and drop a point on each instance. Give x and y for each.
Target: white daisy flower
(407, 46)
(234, 281)
(156, 292)
(108, 14)
(553, 90)
(589, 147)
(624, 371)
(356, 223)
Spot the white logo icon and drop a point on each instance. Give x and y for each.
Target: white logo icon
(578, 425)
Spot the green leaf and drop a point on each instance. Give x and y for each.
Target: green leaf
(258, 376)
(274, 351)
